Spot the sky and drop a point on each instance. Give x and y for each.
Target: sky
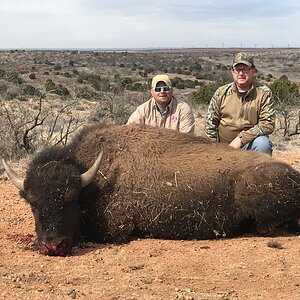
(149, 24)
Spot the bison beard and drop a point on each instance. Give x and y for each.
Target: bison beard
(154, 183)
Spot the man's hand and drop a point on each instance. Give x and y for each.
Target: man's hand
(236, 143)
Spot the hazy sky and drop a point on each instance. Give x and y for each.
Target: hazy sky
(140, 24)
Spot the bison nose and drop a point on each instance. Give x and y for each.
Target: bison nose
(55, 247)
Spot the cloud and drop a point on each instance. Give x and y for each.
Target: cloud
(132, 23)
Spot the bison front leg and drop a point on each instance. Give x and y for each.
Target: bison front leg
(120, 223)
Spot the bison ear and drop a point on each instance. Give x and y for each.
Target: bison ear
(90, 174)
(16, 180)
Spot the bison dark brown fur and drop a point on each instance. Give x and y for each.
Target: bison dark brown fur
(155, 183)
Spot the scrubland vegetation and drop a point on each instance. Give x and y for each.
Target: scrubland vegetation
(47, 95)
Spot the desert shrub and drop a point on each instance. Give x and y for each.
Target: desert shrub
(117, 88)
(284, 78)
(62, 90)
(32, 76)
(126, 80)
(50, 85)
(3, 88)
(189, 83)
(11, 95)
(116, 109)
(49, 63)
(199, 76)
(180, 86)
(57, 67)
(13, 77)
(30, 90)
(59, 89)
(284, 91)
(67, 74)
(286, 96)
(204, 93)
(178, 82)
(26, 129)
(137, 86)
(79, 79)
(143, 74)
(99, 83)
(87, 93)
(187, 72)
(149, 69)
(2, 73)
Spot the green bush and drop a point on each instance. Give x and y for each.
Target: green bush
(126, 80)
(177, 81)
(86, 92)
(2, 73)
(13, 77)
(189, 83)
(3, 88)
(57, 67)
(284, 91)
(204, 93)
(99, 83)
(30, 90)
(49, 85)
(137, 86)
(59, 89)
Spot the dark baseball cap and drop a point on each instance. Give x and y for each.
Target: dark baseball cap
(243, 58)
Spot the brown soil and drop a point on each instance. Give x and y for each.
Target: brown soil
(240, 268)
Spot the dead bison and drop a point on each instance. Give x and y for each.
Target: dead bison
(153, 183)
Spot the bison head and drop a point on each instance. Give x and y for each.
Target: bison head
(52, 189)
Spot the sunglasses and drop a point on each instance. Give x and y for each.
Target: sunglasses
(165, 88)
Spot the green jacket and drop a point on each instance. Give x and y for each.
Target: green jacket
(247, 116)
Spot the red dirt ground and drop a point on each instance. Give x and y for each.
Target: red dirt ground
(240, 268)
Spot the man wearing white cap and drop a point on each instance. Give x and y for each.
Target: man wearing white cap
(163, 109)
(242, 113)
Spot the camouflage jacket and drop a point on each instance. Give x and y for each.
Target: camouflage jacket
(247, 116)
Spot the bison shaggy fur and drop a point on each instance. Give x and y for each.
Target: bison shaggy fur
(155, 183)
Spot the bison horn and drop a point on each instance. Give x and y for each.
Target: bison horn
(16, 180)
(89, 175)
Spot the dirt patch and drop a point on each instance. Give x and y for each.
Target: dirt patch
(240, 268)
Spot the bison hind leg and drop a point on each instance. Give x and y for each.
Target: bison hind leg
(288, 227)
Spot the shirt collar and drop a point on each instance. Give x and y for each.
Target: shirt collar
(234, 87)
(169, 106)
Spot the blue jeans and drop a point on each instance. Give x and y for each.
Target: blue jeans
(261, 144)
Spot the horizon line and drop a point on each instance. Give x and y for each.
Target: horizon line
(136, 48)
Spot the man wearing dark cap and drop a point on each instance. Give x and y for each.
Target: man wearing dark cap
(163, 109)
(242, 113)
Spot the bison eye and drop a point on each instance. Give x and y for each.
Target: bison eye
(27, 195)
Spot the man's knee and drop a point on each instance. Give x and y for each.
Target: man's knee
(261, 144)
